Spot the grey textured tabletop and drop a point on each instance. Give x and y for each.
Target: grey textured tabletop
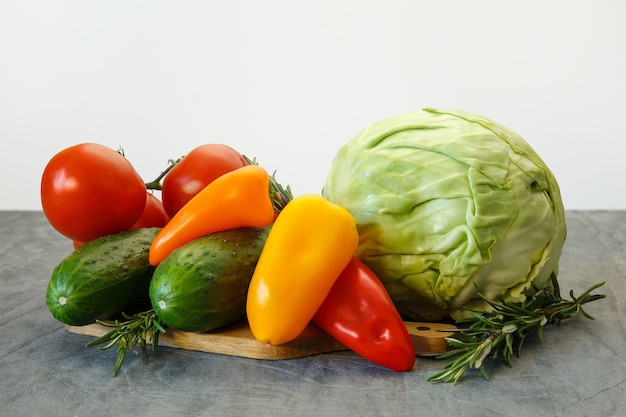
(578, 370)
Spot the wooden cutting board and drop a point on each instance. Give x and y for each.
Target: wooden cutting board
(237, 340)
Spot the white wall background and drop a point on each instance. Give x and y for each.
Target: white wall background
(291, 81)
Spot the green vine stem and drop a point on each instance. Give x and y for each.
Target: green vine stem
(155, 184)
(502, 331)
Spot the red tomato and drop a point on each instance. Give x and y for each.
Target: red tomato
(195, 171)
(89, 190)
(153, 215)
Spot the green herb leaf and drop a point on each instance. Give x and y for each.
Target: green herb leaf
(127, 334)
(502, 331)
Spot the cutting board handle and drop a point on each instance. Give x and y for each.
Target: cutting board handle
(429, 339)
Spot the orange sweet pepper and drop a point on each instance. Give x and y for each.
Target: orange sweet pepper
(245, 197)
(309, 245)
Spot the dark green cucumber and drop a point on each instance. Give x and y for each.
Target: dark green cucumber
(203, 285)
(102, 278)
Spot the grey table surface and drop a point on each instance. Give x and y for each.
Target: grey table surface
(578, 370)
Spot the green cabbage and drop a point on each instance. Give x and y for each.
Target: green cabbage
(448, 204)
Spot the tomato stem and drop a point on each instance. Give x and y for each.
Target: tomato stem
(155, 184)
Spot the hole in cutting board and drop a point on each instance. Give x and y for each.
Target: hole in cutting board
(423, 328)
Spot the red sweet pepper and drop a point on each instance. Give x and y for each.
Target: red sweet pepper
(359, 313)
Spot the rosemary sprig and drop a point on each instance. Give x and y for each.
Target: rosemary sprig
(127, 334)
(502, 331)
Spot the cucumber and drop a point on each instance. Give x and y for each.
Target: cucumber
(203, 285)
(103, 278)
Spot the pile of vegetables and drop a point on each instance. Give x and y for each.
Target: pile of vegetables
(237, 246)
(432, 215)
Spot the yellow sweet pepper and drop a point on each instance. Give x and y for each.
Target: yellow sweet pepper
(309, 245)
